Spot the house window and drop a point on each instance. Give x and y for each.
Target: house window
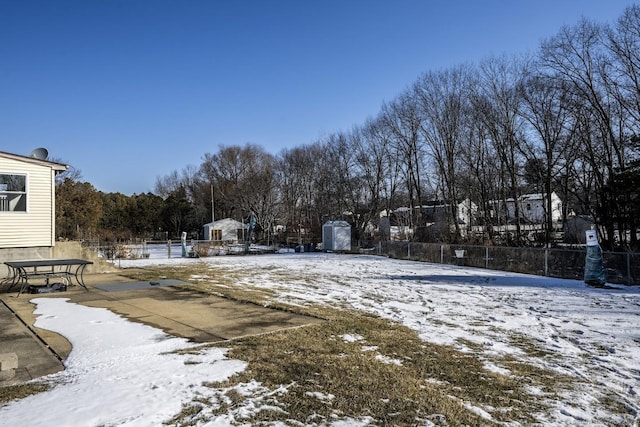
(528, 206)
(13, 192)
(216, 235)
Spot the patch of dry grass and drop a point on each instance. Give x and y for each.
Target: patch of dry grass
(388, 373)
(20, 391)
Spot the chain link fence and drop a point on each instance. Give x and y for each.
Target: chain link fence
(621, 267)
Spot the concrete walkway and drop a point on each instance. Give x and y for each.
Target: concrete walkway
(165, 305)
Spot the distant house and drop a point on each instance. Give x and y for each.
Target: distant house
(436, 216)
(225, 230)
(437, 211)
(398, 224)
(531, 207)
(27, 205)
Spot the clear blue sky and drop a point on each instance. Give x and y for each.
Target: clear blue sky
(129, 90)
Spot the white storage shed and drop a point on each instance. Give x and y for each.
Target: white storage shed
(225, 230)
(336, 236)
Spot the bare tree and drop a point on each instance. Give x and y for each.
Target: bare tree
(479, 172)
(623, 74)
(243, 180)
(547, 107)
(167, 184)
(442, 98)
(298, 180)
(379, 166)
(402, 118)
(623, 80)
(578, 57)
(499, 106)
(358, 167)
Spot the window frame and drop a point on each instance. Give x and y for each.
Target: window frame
(13, 199)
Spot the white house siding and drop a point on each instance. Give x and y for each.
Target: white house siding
(532, 208)
(228, 227)
(36, 226)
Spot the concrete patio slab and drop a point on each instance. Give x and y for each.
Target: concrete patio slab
(165, 304)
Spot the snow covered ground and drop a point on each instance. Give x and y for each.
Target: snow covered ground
(594, 335)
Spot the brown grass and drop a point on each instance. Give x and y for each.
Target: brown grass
(425, 379)
(20, 391)
(389, 374)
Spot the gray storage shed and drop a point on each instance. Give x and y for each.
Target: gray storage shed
(336, 236)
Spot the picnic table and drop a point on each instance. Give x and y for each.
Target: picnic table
(20, 272)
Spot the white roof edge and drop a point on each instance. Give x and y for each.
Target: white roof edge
(54, 165)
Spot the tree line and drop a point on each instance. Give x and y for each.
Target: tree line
(563, 119)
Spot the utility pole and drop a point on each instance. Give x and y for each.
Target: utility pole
(213, 215)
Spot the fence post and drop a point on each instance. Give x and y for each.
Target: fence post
(169, 248)
(441, 253)
(546, 261)
(486, 257)
(408, 249)
(629, 268)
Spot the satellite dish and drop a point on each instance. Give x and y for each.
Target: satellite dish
(39, 153)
